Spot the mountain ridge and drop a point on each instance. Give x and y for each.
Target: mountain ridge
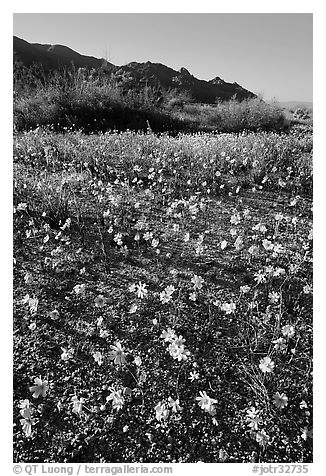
(133, 74)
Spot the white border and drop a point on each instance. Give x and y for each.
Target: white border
(169, 6)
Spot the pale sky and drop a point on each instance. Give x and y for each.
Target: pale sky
(267, 53)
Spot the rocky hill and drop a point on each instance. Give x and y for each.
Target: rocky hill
(132, 75)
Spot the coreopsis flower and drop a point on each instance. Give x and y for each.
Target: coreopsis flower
(179, 341)
(307, 289)
(278, 272)
(140, 225)
(33, 305)
(155, 242)
(228, 307)
(238, 244)
(280, 400)
(193, 296)
(223, 455)
(47, 261)
(262, 437)
(168, 335)
(174, 272)
(26, 424)
(28, 278)
(293, 268)
(117, 239)
(26, 413)
(117, 399)
(212, 412)
(67, 354)
(79, 289)
(266, 316)
(274, 297)
(166, 294)
(21, 207)
(281, 183)
(25, 406)
(98, 357)
(32, 326)
(178, 351)
(40, 388)
(174, 404)
(266, 365)
(193, 376)
(197, 281)
(175, 351)
(205, 402)
(104, 333)
(117, 354)
(186, 238)
(66, 224)
(170, 289)
(278, 248)
(269, 270)
(288, 330)
(200, 239)
(100, 301)
(141, 290)
(235, 219)
(133, 308)
(138, 361)
(253, 418)
(253, 250)
(260, 227)
(279, 344)
(224, 244)
(306, 433)
(54, 315)
(148, 236)
(244, 289)
(162, 412)
(77, 404)
(260, 277)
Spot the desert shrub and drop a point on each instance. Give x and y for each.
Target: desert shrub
(235, 116)
(250, 114)
(77, 100)
(174, 99)
(96, 102)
